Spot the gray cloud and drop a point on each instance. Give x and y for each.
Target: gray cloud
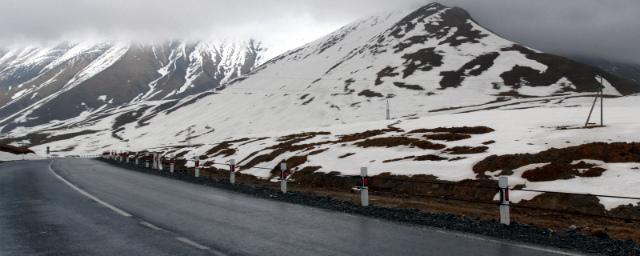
(607, 29)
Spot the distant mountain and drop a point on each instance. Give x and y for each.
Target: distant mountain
(427, 61)
(41, 84)
(629, 71)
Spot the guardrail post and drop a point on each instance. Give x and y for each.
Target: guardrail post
(232, 171)
(172, 164)
(503, 183)
(146, 160)
(137, 160)
(364, 189)
(283, 177)
(160, 158)
(127, 159)
(197, 168)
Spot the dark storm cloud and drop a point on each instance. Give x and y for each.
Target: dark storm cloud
(601, 28)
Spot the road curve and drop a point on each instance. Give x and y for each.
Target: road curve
(86, 207)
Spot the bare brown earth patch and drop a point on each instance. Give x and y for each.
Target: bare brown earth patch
(448, 136)
(389, 142)
(429, 158)
(619, 152)
(398, 159)
(15, 150)
(563, 171)
(224, 148)
(465, 150)
(302, 135)
(463, 130)
(366, 134)
(346, 155)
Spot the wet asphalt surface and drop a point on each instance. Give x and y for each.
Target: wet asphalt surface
(42, 215)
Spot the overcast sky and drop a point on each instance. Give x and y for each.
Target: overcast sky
(601, 28)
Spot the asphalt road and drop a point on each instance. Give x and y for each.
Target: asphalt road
(86, 207)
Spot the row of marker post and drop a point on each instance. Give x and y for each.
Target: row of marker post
(285, 175)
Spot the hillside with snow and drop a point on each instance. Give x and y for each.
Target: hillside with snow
(325, 106)
(45, 84)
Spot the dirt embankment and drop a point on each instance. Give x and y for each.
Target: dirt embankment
(15, 150)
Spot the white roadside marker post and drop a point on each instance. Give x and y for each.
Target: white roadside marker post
(137, 160)
(503, 183)
(160, 167)
(283, 177)
(126, 159)
(154, 162)
(364, 189)
(232, 171)
(146, 160)
(197, 165)
(172, 165)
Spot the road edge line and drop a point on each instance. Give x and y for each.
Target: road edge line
(90, 196)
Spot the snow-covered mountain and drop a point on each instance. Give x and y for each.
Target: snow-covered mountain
(435, 60)
(41, 84)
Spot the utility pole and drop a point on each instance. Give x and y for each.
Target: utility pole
(601, 102)
(600, 95)
(388, 110)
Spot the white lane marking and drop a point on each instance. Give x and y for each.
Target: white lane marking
(192, 243)
(531, 247)
(151, 226)
(199, 246)
(85, 193)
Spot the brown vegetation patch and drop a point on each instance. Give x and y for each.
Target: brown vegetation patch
(429, 158)
(456, 159)
(308, 177)
(346, 155)
(562, 171)
(364, 135)
(398, 159)
(370, 94)
(464, 150)
(389, 142)
(488, 142)
(428, 185)
(463, 130)
(319, 151)
(306, 135)
(580, 203)
(448, 136)
(223, 148)
(619, 152)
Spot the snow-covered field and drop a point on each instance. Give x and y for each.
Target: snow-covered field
(516, 131)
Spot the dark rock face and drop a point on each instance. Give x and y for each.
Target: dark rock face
(473, 68)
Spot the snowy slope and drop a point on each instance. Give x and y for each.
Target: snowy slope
(42, 84)
(347, 77)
